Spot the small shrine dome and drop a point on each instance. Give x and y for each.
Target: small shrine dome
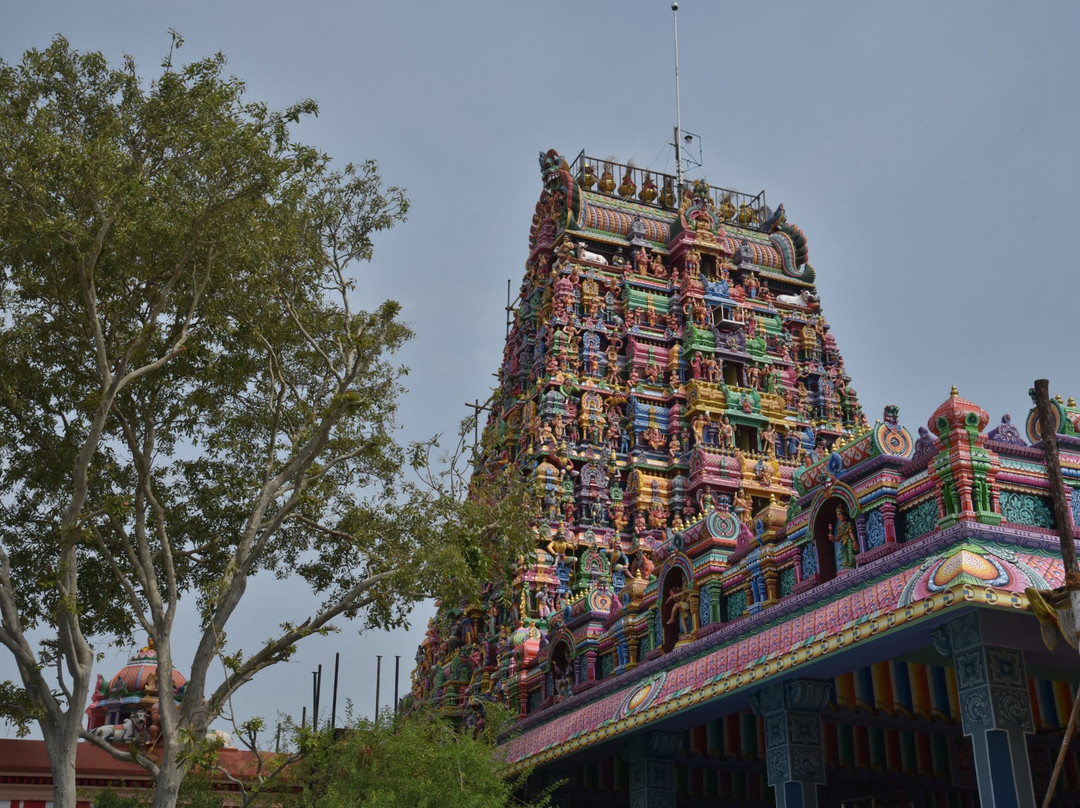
(957, 413)
(139, 676)
(134, 687)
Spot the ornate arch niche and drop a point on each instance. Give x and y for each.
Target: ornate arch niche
(561, 663)
(675, 577)
(822, 517)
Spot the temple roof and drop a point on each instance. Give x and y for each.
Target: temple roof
(916, 586)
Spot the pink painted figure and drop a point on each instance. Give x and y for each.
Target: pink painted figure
(727, 434)
(641, 261)
(679, 600)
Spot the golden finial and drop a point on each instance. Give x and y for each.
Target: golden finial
(1072, 401)
(954, 392)
(1057, 398)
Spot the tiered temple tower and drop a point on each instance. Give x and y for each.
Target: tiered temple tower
(742, 593)
(668, 373)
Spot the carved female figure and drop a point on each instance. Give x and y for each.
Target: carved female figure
(843, 533)
(698, 424)
(751, 285)
(743, 506)
(641, 261)
(695, 366)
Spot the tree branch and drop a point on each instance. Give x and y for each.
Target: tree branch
(273, 650)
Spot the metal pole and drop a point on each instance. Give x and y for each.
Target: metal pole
(397, 673)
(333, 702)
(316, 685)
(678, 109)
(509, 308)
(378, 683)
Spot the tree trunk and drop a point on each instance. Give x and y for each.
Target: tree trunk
(170, 776)
(61, 744)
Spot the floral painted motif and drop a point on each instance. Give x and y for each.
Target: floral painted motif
(735, 604)
(704, 608)
(809, 560)
(787, 581)
(1026, 509)
(920, 520)
(875, 530)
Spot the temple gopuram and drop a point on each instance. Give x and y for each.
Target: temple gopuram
(744, 593)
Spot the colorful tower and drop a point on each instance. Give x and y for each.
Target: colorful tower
(668, 374)
(740, 589)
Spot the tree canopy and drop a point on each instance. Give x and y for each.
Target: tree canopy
(421, 760)
(191, 393)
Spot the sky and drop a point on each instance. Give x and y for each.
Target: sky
(927, 150)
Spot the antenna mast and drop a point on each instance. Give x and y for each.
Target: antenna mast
(678, 111)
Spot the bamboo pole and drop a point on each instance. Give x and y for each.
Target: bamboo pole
(1057, 482)
(1069, 730)
(1063, 517)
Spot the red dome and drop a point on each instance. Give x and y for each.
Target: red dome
(140, 675)
(957, 413)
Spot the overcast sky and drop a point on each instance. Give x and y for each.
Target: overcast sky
(927, 149)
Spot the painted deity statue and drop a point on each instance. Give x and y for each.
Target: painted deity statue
(657, 266)
(843, 534)
(727, 434)
(641, 261)
(743, 506)
(768, 439)
(699, 423)
(680, 610)
(561, 546)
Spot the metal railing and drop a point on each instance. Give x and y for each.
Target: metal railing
(626, 181)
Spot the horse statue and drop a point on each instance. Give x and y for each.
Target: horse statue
(125, 732)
